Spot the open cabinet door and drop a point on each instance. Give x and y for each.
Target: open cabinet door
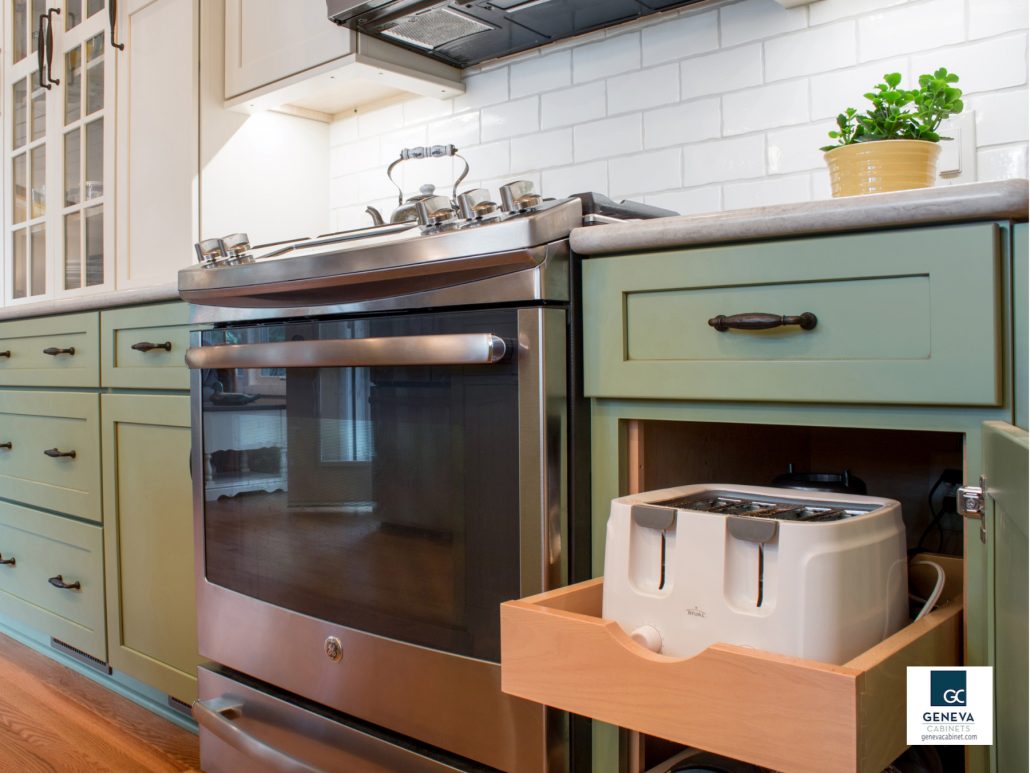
(1006, 509)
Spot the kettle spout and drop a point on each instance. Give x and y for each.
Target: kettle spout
(377, 219)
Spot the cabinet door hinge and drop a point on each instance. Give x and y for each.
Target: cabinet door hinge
(971, 504)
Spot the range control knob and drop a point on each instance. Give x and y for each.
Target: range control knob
(209, 252)
(475, 205)
(434, 212)
(519, 196)
(236, 246)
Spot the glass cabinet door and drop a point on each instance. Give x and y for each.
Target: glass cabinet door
(57, 134)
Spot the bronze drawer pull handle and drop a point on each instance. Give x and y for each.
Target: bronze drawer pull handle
(58, 582)
(53, 351)
(6, 353)
(146, 346)
(8, 445)
(7, 561)
(757, 321)
(53, 453)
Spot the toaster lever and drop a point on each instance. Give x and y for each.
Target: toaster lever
(752, 529)
(651, 517)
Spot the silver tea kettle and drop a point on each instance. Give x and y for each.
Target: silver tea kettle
(406, 208)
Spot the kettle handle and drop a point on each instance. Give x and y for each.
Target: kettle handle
(427, 151)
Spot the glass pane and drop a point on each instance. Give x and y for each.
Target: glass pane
(73, 88)
(303, 473)
(21, 189)
(38, 113)
(72, 157)
(18, 285)
(94, 73)
(19, 115)
(73, 13)
(73, 251)
(18, 31)
(94, 246)
(38, 9)
(38, 180)
(92, 6)
(94, 160)
(37, 243)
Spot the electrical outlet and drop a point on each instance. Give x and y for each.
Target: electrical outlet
(957, 162)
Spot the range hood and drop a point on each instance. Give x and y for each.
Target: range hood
(467, 32)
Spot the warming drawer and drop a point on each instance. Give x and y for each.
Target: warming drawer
(909, 316)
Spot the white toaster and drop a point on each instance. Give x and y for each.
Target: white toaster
(815, 575)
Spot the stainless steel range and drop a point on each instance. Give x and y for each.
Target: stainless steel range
(384, 430)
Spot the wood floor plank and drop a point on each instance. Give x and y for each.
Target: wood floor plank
(53, 719)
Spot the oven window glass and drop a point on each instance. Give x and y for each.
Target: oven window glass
(381, 498)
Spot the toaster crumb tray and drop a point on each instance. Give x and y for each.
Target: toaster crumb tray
(740, 702)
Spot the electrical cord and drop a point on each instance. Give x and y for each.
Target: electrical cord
(953, 478)
(935, 594)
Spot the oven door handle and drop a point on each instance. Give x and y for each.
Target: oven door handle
(458, 349)
(216, 716)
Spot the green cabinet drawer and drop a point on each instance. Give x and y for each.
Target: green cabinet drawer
(62, 423)
(908, 316)
(72, 339)
(44, 551)
(145, 347)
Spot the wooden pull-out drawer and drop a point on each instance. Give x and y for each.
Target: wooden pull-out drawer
(145, 347)
(904, 317)
(781, 712)
(42, 558)
(50, 451)
(51, 351)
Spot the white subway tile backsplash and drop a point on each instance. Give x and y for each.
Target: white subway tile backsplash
(541, 73)
(610, 56)
(734, 159)
(391, 145)
(542, 150)
(486, 88)
(683, 123)
(374, 184)
(834, 91)
(993, 17)
(580, 178)
(695, 201)
(1000, 118)
(797, 149)
(569, 106)
(343, 191)
(460, 130)
(812, 51)
(680, 37)
(610, 137)
(426, 109)
(343, 130)
(914, 27)
(763, 193)
(643, 89)
(780, 104)
(383, 120)
(1001, 163)
(831, 10)
(490, 160)
(981, 66)
(720, 72)
(821, 188)
(355, 157)
(654, 171)
(510, 119)
(755, 19)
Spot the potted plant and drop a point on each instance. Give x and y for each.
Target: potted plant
(893, 146)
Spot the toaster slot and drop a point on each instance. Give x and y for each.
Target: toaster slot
(652, 542)
(750, 541)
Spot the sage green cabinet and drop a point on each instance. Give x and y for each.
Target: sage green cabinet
(888, 329)
(73, 342)
(145, 347)
(148, 541)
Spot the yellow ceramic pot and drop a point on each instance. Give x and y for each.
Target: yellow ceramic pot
(885, 165)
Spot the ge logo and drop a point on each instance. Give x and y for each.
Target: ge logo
(955, 696)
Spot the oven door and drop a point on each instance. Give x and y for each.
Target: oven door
(368, 492)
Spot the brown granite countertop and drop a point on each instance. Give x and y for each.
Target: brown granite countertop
(1004, 200)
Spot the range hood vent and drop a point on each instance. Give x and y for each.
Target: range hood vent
(466, 32)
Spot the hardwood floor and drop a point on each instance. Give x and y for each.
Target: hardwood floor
(53, 719)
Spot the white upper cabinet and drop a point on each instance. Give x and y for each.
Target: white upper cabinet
(158, 125)
(58, 143)
(288, 56)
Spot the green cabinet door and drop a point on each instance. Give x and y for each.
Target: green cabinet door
(1005, 466)
(148, 541)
